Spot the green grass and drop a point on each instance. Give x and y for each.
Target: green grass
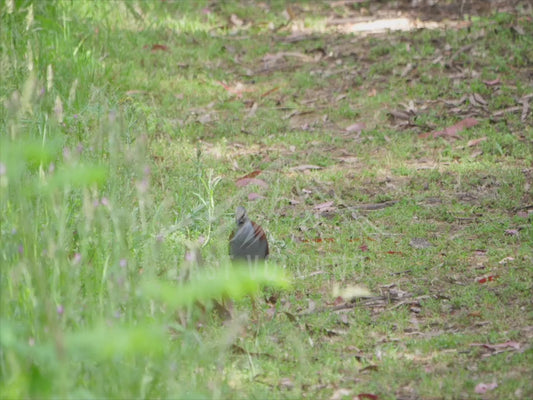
(117, 157)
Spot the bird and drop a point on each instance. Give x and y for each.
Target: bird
(248, 240)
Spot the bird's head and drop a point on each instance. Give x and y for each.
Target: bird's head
(240, 216)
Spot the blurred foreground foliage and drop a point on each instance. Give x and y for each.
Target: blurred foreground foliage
(89, 283)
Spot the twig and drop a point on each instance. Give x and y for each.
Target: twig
(310, 275)
(345, 2)
(525, 110)
(506, 110)
(458, 52)
(375, 206)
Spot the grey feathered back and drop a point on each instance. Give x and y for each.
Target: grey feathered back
(248, 241)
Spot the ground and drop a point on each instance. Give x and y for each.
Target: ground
(385, 147)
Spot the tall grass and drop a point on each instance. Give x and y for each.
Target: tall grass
(90, 255)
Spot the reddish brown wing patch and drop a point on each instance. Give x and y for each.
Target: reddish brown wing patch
(231, 235)
(260, 233)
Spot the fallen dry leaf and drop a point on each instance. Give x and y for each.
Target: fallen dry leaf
(255, 196)
(205, 118)
(499, 346)
(328, 205)
(356, 128)
(236, 21)
(134, 92)
(251, 181)
(456, 103)
(476, 153)
(494, 82)
(338, 301)
(394, 252)
(408, 68)
(340, 393)
(348, 159)
(252, 111)
(485, 279)
(270, 91)
(305, 167)
(252, 174)
(522, 214)
(505, 260)
(340, 97)
(318, 240)
(518, 29)
(273, 58)
(238, 89)
(157, 47)
(286, 383)
(351, 292)
(451, 131)
(290, 316)
(368, 368)
(525, 111)
(420, 243)
(363, 396)
(314, 273)
(475, 142)
(479, 99)
(507, 110)
(290, 115)
(399, 115)
(485, 387)
(344, 319)
(311, 305)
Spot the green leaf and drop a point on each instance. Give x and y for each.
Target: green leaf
(233, 281)
(105, 342)
(79, 176)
